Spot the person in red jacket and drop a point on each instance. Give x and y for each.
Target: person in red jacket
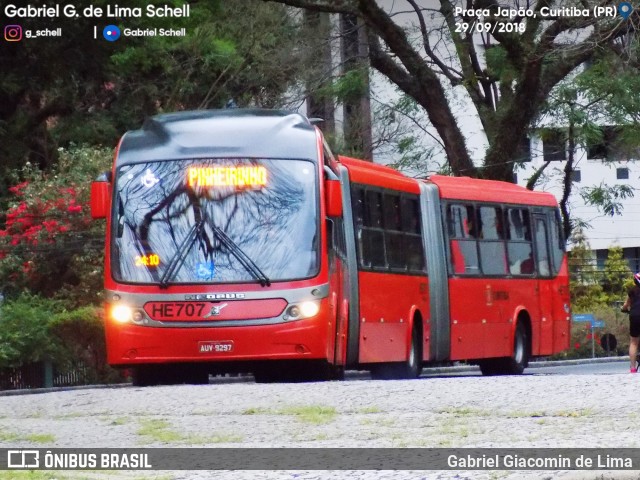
(632, 307)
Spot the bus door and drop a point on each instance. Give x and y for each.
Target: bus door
(338, 279)
(545, 291)
(471, 292)
(349, 295)
(561, 310)
(340, 282)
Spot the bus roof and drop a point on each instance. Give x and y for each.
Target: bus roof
(473, 189)
(362, 171)
(221, 133)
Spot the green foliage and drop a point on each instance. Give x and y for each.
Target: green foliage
(79, 336)
(352, 85)
(498, 64)
(24, 330)
(33, 329)
(593, 289)
(617, 276)
(396, 136)
(584, 346)
(608, 198)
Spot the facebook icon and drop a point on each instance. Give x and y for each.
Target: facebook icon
(111, 33)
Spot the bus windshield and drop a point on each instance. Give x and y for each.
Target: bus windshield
(215, 221)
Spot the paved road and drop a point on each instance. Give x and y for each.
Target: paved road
(559, 406)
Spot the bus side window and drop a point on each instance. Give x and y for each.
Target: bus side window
(410, 212)
(542, 250)
(368, 219)
(519, 248)
(412, 234)
(357, 204)
(396, 252)
(493, 258)
(472, 229)
(557, 241)
(463, 248)
(373, 209)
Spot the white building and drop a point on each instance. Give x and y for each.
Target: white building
(592, 168)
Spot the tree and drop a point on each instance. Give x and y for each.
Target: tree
(507, 77)
(618, 278)
(235, 51)
(592, 109)
(586, 289)
(591, 288)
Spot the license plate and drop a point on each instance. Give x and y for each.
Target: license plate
(223, 346)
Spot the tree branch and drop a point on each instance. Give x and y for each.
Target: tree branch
(445, 69)
(428, 92)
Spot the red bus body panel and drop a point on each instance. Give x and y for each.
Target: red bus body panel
(484, 311)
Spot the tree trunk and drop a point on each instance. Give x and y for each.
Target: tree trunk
(357, 110)
(320, 106)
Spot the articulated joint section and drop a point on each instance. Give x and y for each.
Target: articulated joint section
(215, 309)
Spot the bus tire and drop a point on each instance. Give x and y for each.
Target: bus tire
(487, 367)
(519, 359)
(409, 369)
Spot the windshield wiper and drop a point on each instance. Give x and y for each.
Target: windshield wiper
(178, 259)
(242, 257)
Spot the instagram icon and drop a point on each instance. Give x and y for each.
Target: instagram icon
(13, 33)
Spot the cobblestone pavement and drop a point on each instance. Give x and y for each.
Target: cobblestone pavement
(558, 411)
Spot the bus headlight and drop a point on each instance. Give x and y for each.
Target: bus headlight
(122, 313)
(298, 311)
(309, 309)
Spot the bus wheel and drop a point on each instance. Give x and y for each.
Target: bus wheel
(411, 368)
(487, 367)
(519, 359)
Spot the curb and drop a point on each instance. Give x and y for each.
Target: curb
(532, 364)
(578, 361)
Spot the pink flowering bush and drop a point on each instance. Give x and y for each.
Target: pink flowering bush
(49, 245)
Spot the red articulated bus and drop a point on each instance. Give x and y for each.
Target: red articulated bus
(236, 242)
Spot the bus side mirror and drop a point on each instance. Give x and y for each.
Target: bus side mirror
(333, 198)
(100, 198)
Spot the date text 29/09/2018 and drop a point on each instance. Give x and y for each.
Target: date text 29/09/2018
(509, 20)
